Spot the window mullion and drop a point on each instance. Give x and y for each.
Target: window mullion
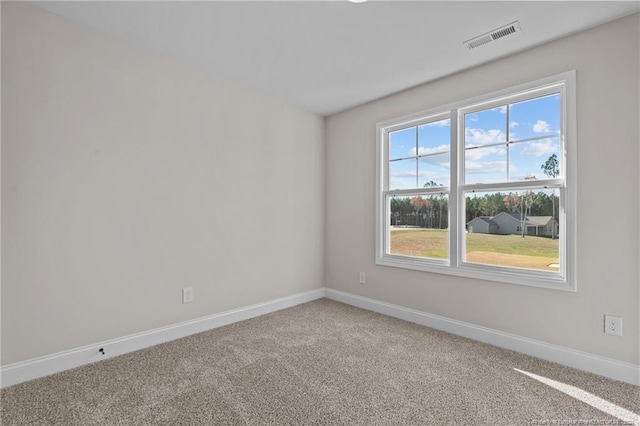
(433, 190)
(514, 185)
(507, 128)
(417, 159)
(454, 196)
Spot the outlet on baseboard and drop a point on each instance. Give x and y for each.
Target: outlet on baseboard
(613, 325)
(187, 295)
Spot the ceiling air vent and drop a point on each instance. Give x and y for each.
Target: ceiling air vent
(493, 35)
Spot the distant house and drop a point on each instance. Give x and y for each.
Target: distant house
(482, 225)
(512, 223)
(544, 225)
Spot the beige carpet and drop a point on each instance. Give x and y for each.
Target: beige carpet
(318, 363)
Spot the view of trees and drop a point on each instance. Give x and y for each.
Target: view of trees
(551, 168)
(431, 211)
(529, 202)
(427, 212)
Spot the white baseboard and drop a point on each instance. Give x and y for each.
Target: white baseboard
(608, 367)
(43, 366)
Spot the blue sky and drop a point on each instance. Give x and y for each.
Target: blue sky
(421, 154)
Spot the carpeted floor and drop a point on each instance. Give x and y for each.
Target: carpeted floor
(318, 363)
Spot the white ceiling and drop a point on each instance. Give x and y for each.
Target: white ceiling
(327, 56)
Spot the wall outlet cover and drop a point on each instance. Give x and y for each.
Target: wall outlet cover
(187, 295)
(613, 325)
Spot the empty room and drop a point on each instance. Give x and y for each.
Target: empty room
(320, 212)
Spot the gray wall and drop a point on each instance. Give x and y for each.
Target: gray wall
(606, 59)
(126, 177)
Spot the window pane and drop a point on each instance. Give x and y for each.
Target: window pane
(419, 226)
(527, 159)
(534, 118)
(434, 170)
(485, 127)
(403, 174)
(434, 137)
(502, 156)
(516, 229)
(485, 164)
(402, 143)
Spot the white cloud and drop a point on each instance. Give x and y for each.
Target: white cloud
(485, 167)
(439, 178)
(434, 160)
(411, 176)
(441, 123)
(426, 151)
(477, 154)
(502, 109)
(407, 179)
(523, 176)
(475, 137)
(538, 149)
(541, 126)
(402, 180)
(513, 124)
(403, 174)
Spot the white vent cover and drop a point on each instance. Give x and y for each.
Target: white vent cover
(493, 35)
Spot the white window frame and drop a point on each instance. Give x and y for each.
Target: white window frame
(565, 278)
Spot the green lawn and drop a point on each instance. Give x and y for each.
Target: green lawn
(420, 242)
(506, 250)
(513, 244)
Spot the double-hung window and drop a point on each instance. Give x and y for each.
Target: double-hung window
(483, 188)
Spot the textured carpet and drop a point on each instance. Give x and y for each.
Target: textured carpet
(319, 363)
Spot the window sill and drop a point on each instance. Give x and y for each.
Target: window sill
(480, 272)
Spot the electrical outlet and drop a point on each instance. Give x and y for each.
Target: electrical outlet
(187, 295)
(613, 325)
(363, 278)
